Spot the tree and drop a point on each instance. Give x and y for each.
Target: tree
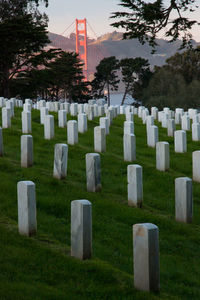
(62, 77)
(145, 19)
(177, 83)
(132, 70)
(105, 76)
(23, 36)
(187, 64)
(31, 84)
(67, 78)
(13, 8)
(165, 89)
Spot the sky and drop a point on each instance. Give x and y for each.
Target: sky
(62, 13)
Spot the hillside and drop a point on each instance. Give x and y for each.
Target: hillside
(41, 267)
(112, 44)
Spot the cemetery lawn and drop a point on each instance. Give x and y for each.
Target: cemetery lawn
(41, 267)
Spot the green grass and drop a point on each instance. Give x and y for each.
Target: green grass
(41, 267)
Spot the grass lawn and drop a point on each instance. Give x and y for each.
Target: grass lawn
(41, 267)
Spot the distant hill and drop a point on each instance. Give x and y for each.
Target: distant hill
(112, 44)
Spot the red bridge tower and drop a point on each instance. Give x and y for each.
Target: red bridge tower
(81, 44)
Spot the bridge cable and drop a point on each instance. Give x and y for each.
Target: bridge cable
(67, 28)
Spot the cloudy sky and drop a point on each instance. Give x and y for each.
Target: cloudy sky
(62, 13)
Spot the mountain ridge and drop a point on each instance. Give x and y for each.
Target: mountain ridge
(112, 44)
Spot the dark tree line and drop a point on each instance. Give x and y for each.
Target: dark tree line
(61, 77)
(132, 72)
(23, 36)
(175, 84)
(26, 68)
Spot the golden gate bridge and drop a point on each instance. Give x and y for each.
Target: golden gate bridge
(89, 50)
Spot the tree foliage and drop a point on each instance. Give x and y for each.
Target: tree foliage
(175, 84)
(9, 9)
(62, 77)
(106, 77)
(23, 36)
(133, 70)
(67, 79)
(187, 64)
(145, 19)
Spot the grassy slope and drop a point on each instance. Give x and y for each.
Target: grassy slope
(41, 267)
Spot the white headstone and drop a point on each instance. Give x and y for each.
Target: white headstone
(67, 107)
(185, 122)
(99, 139)
(27, 107)
(183, 199)
(42, 103)
(122, 110)
(48, 106)
(152, 136)
(129, 117)
(60, 161)
(135, 111)
(56, 106)
(62, 118)
(177, 118)
(140, 111)
(49, 127)
(91, 102)
(26, 122)
(160, 116)
(127, 109)
(1, 142)
(2, 101)
(179, 111)
(154, 112)
(74, 109)
(27, 223)
(149, 122)
(165, 118)
(146, 257)
(170, 127)
(81, 229)
(196, 165)
(145, 114)
(80, 108)
(62, 106)
(95, 110)
(72, 132)
(82, 123)
(135, 185)
(26, 151)
(162, 156)
(6, 117)
(93, 172)
(101, 111)
(128, 127)
(10, 105)
(195, 119)
(104, 122)
(85, 105)
(129, 147)
(110, 115)
(43, 113)
(196, 132)
(180, 141)
(90, 112)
